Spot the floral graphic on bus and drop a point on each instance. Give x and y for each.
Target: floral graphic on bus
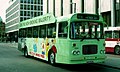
(35, 44)
(43, 48)
(46, 45)
(35, 47)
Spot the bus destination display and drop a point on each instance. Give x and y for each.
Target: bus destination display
(88, 16)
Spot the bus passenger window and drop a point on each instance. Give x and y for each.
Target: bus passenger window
(63, 29)
(22, 33)
(51, 29)
(29, 32)
(42, 32)
(35, 32)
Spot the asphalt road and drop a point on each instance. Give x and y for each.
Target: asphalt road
(12, 60)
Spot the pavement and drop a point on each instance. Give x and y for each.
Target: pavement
(112, 61)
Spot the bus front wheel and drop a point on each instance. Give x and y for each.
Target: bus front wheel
(51, 58)
(117, 50)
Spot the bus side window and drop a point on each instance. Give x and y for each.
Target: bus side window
(63, 29)
(29, 32)
(22, 33)
(35, 32)
(51, 29)
(42, 31)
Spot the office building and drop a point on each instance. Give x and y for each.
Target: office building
(20, 10)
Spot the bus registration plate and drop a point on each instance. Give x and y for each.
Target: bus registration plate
(90, 62)
(89, 58)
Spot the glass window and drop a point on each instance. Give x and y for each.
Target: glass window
(25, 13)
(115, 34)
(28, 7)
(38, 7)
(41, 2)
(35, 14)
(51, 30)
(32, 1)
(25, 7)
(21, 19)
(41, 8)
(21, 1)
(86, 30)
(29, 32)
(21, 13)
(38, 1)
(31, 7)
(108, 34)
(22, 33)
(28, 13)
(35, 7)
(28, 1)
(42, 32)
(35, 32)
(63, 29)
(21, 6)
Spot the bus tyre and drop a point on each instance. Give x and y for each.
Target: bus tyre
(51, 58)
(25, 52)
(117, 50)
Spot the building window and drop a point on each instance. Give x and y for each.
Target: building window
(41, 8)
(21, 13)
(32, 1)
(41, 2)
(31, 7)
(21, 19)
(21, 1)
(21, 6)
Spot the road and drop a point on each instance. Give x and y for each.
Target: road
(12, 60)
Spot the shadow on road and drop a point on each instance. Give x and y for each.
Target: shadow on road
(75, 67)
(80, 67)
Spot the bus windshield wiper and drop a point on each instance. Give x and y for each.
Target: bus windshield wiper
(85, 37)
(97, 39)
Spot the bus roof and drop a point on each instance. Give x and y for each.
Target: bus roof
(50, 18)
(81, 16)
(44, 19)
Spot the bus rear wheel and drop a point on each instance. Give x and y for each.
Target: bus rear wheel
(117, 50)
(51, 58)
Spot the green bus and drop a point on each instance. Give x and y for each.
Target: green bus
(74, 39)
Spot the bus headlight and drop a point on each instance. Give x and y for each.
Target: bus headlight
(75, 52)
(102, 51)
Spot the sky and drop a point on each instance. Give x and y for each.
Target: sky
(3, 5)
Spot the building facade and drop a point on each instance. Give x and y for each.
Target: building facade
(2, 30)
(20, 10)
